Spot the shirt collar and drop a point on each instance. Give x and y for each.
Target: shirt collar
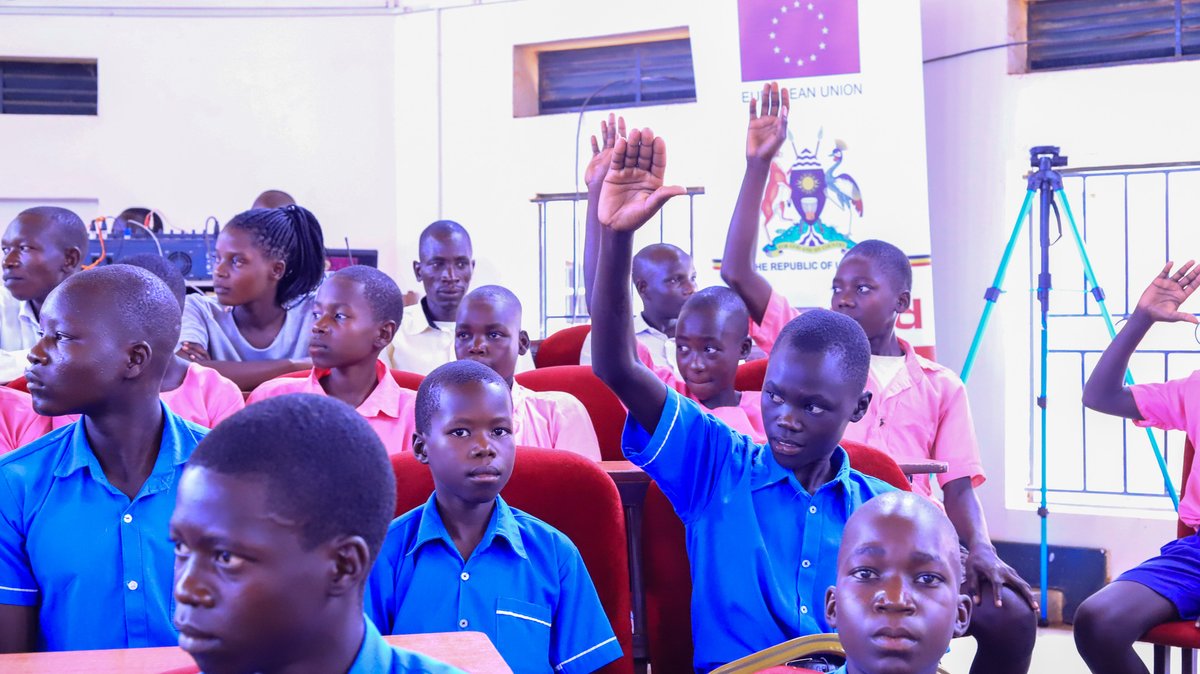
(375, 655)
(502, 525)
(640, 325)
(767, 470)
(383, 399)
(25, 314)
(519, 394)
(173, 451)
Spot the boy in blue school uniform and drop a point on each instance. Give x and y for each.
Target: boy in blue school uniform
(281, 511)
(466, 560)
(84, 558)
(763, 521)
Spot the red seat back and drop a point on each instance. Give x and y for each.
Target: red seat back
(749, 376)
(562, 347)
(876, 463)
(603, 406)
(571, 494)
(19, 384)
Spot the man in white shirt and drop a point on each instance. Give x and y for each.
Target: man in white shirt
(425, 338)
(41, 247)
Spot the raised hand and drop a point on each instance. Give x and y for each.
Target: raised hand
(1160, 302)
(633, 189)
(768, 125)
(593, 175)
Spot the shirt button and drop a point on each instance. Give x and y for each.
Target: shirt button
(806, 563)
(812, 510)
(462, 623)
(804, 609)
(465, 576)
(132, 585)
(127, 519)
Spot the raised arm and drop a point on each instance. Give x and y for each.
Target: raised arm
(632, 193)
(764, 136)
(1105, 390)
(593, 176)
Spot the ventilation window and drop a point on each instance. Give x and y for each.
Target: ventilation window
(1083, 33)
(48, 88)
(604, 73)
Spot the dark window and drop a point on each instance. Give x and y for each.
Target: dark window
(1081, 33)
(628, 75)
(42, 88)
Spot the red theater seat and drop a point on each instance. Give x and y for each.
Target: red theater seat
(1180, 634)
(603, 406)
(18, 384)
(562, 347)
(668, 581)
(749, 376)
(571, 494)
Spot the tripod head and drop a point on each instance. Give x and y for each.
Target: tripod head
(1040, 153)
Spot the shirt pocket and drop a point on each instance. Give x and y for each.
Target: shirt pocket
(523, 634)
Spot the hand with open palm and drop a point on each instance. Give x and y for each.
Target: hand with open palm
(1160, 302)
(633, 189)
(593, 175)
(768, 125)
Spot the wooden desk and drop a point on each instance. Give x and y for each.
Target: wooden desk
(471, 651)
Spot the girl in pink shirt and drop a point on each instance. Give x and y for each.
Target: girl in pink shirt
(1167, 587)
(489, 331)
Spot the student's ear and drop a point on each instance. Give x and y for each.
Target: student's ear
(350, 559)
(419, 449)
(71, 259)
(831, 608)
(387, 330)
(860, 409)
(962, 616)
(640, 286)
(277, 269)
(522, 343)
(744, 350)
(138, 357)
(417, 270)
(903, 301)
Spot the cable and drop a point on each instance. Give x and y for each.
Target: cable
(100, 236)
(146, 226)
(977, 50)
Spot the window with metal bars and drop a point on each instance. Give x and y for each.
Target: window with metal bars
(1083, 33)
(48, 88)
(617, 76)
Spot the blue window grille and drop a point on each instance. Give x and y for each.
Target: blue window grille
(617, 76)
(48, 88)
(1133, 219)
(1083, 33)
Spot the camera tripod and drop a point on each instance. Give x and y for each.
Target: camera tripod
(1046, 183)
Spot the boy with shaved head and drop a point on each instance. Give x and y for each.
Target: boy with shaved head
(41, 247)
(897, 601)
(85, 562)
(489, 332)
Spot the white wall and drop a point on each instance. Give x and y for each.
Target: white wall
(198, 115)
(980, 124)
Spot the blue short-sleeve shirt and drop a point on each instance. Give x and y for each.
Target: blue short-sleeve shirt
(762, 549)
(99, 566)
(525, 586)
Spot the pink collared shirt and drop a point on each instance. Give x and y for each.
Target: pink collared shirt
(745, 418)
(19, 424)
(389, 409)
(554, 420)
(1172, 406)
(922, 415)
(205, 397)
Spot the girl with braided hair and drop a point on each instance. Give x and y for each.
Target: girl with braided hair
(269, 261)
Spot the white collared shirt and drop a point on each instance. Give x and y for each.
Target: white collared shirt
(421, 345)
(660, 346)
(18, 333)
